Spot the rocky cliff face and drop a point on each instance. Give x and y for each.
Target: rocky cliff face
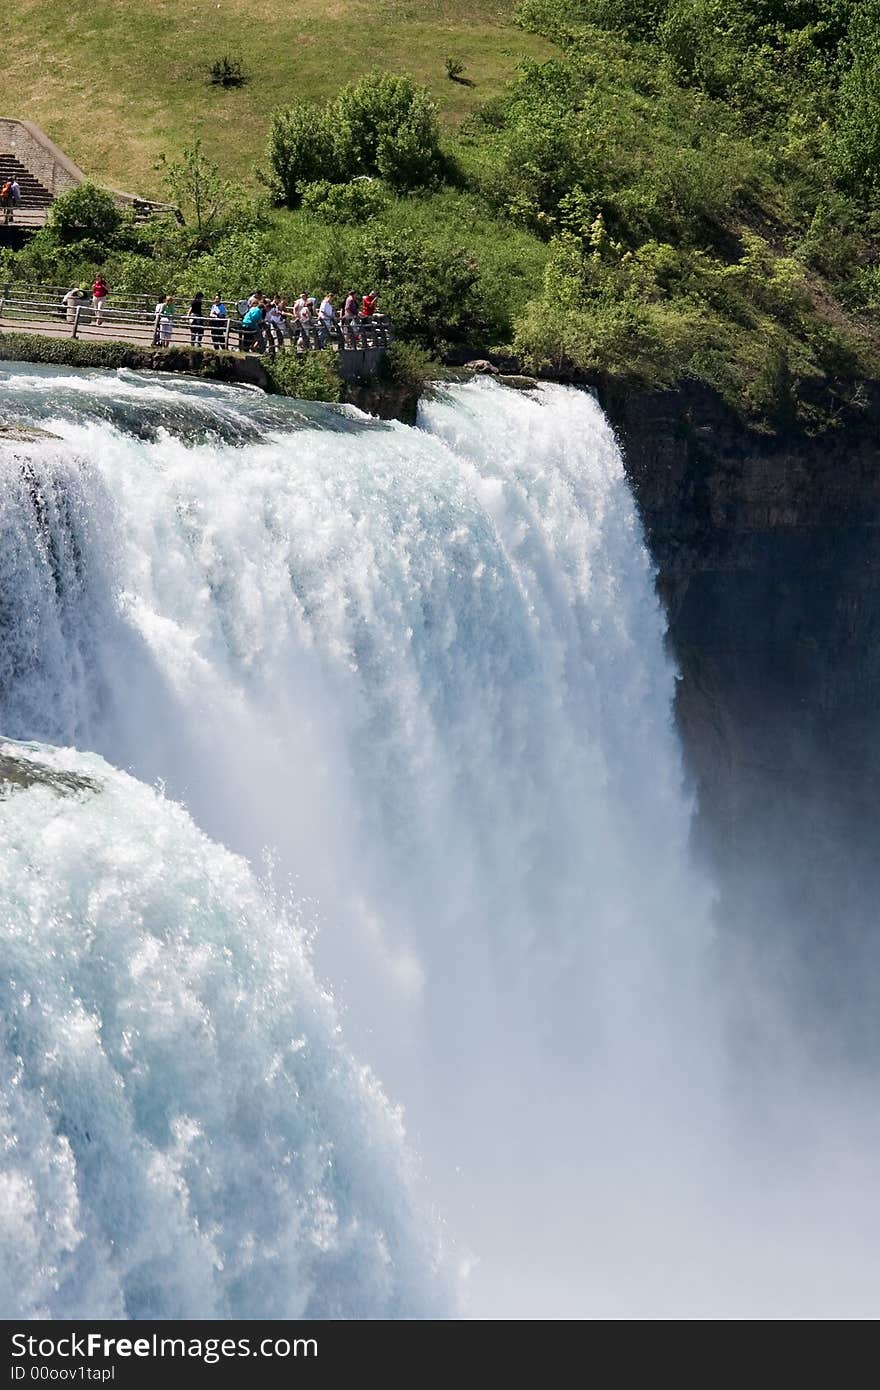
(768, 557)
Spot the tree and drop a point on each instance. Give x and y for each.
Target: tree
(388, 126)
(203, 196)
(857, 118)
(430, 289)
(86, 213)
(302, 150)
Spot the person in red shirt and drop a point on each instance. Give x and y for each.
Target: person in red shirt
(368, 307)
(99, 294)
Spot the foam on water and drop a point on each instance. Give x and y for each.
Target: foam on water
(184, 1133)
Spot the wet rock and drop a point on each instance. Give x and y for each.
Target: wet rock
(22, 434)
(18, 772)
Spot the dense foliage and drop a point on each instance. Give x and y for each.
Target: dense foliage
(702, 171)
(685, 189)
(383, 127)
(85, 213)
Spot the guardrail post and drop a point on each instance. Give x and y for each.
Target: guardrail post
(76, 314)
(227, 333)
(2, 302)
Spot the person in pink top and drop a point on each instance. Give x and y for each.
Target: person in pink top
(99, 294)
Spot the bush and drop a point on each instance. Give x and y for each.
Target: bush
(86, 213)
(240, 263)
(302, 150)
(409, 366)
(388, 126)
(454, 69)
(559, 18)
(228, 72)
(345, 203)
(431, 290)
(857, 118)
(309, 376)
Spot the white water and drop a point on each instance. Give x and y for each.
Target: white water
(184, 1134)
(427, 669)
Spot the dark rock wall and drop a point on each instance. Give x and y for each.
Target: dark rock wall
(768, 557)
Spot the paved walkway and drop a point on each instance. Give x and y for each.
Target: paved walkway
(140, 335)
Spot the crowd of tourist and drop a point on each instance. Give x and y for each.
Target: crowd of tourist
(261, 323)
(268, 323)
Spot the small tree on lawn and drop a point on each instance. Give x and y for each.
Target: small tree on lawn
(204, 197)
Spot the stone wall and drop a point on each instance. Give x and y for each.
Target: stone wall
(359, 364)
(39, 154)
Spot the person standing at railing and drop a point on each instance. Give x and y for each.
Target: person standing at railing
(217, 314)
(298, 331)
(196, 320)
(252, 328)
(165, 321)
(326, 319)
(99, 295)
(306, 318)
(15, 194)
(157, 319)
(6, 200)
(72, 300)
(351, 320)
(275, 324)
(241, 308)
(286, 320)
(368, 309)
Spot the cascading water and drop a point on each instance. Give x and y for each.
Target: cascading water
(185, 1135)
(425, 668)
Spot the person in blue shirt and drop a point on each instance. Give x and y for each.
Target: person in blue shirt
(252, 327)
(217, 315)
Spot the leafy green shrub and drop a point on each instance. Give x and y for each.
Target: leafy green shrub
(302, 149)
(770, 395)
(86, 213)
(409, 366)
(454, 69)
(309, 376)
(636, 18)
(388, 126)
(431, 290)
(857, 117)
(382, 126)
(346, 203)
(241, 262)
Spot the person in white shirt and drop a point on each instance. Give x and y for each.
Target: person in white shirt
(326, 318)
(72, 301)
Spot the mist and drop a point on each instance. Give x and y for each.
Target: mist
(418, 678)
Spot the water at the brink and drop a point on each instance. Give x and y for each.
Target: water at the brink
(388, 709)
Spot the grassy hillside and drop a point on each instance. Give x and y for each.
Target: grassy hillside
(118, 82)
(659, 190)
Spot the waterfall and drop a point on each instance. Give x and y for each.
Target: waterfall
(185, 1135)
(414, 682)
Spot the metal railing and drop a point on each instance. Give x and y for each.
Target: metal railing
(44, 314)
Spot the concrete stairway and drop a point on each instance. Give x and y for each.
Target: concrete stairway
(35, 199)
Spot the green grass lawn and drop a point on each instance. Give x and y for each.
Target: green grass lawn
(116, 83)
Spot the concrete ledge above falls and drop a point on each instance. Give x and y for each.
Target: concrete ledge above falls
(356, 364)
